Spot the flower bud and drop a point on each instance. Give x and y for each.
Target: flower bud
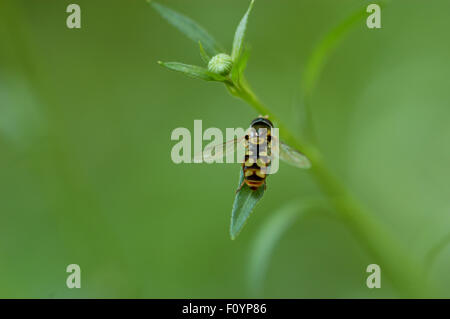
(220, 64)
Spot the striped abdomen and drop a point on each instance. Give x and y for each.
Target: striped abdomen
(254, 177)
(256, 161)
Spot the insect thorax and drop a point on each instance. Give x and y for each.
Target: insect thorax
(258, 147)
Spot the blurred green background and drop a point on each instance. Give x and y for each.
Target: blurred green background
(86, 175)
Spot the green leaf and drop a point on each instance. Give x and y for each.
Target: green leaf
(189, 27)
(239, 35)
(317, 61)
(325, 47)
(237, 73)
(269, 236)
(205, 57)
(244, 203)
(193, 71)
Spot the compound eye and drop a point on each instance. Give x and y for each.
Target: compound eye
(247, 137)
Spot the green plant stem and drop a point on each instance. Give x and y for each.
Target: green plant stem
(405, 274)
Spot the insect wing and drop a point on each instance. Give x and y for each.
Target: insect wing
(292, 156)
(215, 153)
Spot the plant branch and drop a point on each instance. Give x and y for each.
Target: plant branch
(406, 275)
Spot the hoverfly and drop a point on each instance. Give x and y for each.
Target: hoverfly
(260, 148)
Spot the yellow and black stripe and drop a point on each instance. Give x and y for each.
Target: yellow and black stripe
(257, 153)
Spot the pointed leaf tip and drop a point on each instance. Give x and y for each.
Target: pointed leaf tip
(188, 27)
(244, 203)
(205, 57)
(239, 35)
